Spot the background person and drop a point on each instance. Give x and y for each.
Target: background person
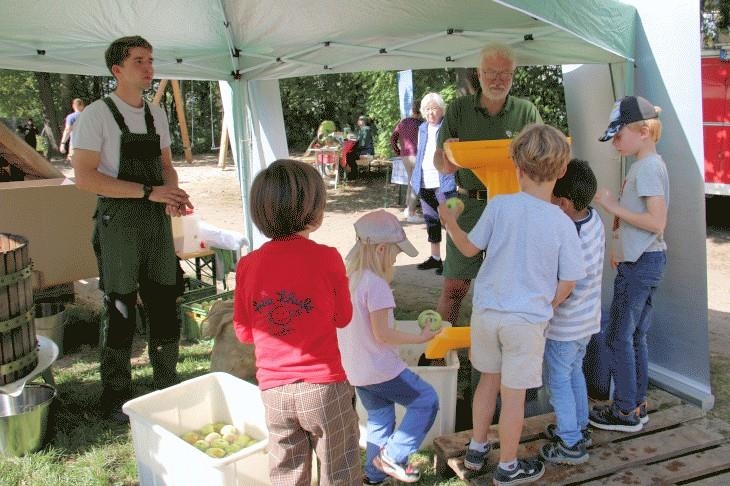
(404, 143)
(489, 114)
(122, 153)
(67, 138)
(426, 180)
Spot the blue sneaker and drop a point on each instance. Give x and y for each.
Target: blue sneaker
(526, 471)
(474, 459)
(551, 435)
(611, 418)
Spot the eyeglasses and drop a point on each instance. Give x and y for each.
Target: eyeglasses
(502, 75)
(431, 108)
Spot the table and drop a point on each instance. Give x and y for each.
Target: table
(203, 262)
(328, 158)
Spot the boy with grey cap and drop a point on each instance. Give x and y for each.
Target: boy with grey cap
(639, 256)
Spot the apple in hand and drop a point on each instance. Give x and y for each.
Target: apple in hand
(430, 318)
(455, 204)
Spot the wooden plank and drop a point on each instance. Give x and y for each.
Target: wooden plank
(662, 420)
(637, 451)
(674, 470)
(180, 109)
(20, 154)
(223, 146)
(160, 92)
(719, 480)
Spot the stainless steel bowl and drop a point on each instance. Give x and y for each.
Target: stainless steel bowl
(24, 419)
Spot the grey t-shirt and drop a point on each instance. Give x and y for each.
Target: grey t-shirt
(647, 177)
(530, 244)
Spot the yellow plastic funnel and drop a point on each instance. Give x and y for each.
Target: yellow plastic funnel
(449, 338)
(490, 162)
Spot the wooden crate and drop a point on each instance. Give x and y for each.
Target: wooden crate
(679, 444)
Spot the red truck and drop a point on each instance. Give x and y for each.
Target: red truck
(716, 120)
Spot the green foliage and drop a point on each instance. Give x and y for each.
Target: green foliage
(543, 85)
(19, 96)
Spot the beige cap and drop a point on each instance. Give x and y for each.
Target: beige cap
(382, 227)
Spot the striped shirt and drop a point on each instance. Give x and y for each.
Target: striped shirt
(579, 315)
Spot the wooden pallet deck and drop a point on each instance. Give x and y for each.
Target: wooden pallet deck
(679, 445)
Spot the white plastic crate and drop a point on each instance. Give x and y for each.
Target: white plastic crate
(159, 418)
(442, 378)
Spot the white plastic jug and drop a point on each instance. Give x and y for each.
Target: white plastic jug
(186, 233)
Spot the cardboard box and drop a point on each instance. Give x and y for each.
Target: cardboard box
(55, 217)
(159, 418)
(442, 378)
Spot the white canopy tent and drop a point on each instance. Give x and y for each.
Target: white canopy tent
(249, 44)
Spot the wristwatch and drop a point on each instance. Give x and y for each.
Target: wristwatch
(147, 191)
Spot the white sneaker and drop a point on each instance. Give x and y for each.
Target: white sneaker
(415, 219)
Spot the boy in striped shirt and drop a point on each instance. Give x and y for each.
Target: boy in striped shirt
(573, 323)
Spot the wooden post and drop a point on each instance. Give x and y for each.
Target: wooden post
(180, 108)
(223, 147)
(160, 92)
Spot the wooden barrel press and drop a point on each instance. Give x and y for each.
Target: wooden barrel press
(18, 349)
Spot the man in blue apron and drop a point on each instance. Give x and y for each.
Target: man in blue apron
(122, 154)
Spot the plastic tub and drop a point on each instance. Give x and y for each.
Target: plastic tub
(442, 378)
(159, 418)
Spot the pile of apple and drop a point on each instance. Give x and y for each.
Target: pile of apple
(205, 305)
(218, 439)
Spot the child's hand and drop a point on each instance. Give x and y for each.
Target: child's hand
(606, 200)
(448, 216)
(427, 334)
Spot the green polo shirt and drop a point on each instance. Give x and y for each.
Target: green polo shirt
(467, 120)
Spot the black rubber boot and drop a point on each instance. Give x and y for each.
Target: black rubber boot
(116, 380)
(163, 358)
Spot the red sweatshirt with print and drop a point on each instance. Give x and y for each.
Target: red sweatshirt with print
(291, 295)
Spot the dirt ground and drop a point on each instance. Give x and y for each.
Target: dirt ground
(216, 195)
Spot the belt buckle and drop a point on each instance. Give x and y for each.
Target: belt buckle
(480, 195)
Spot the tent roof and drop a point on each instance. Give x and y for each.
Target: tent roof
(195, 39)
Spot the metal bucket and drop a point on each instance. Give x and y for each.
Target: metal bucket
(24, 419)
(50, 322)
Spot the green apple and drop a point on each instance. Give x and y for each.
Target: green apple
(233, 448)
(243, 440)
(220, 443)
(212, 436)
(430, 318)
(216, 452)
(228, 429)
(455, 204)
(217, 426)
(206, 429)
(201, 444)
(190, 437)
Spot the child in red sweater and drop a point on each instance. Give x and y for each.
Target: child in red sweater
(291, 296)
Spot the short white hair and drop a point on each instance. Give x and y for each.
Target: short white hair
(432, 98)
(498, 50)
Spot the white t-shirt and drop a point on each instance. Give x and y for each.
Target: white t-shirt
(430, 174)
(529, 245)
(97, 130)
(365, 360)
